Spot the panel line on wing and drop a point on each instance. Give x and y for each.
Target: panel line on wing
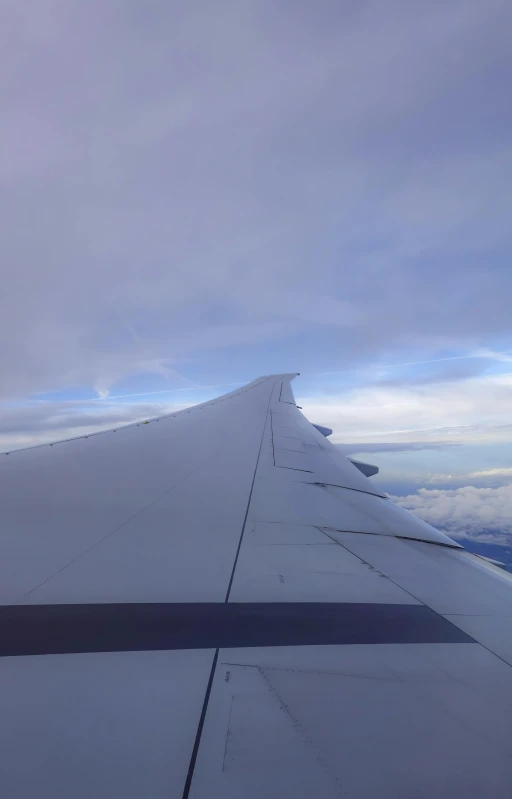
(197, 741)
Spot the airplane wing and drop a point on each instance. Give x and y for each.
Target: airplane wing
(219, 604)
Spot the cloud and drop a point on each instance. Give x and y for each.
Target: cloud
(449, 372)
(477, 408)
(481, 352)
(454, 367)
(480, 514)
(481, 477)
(315, 187)
(45, 422)
(485, 352)
(492, 473)
(395, 446)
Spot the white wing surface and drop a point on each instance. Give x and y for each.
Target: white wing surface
(219, 604)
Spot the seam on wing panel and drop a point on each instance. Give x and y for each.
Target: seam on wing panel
(300, 731)
(391, 535)
(415, 597)
(321, 484)
(294, 469)
(272, 437)
(456, 547)
(197, 741)
(112, 532)
(285, 402)
(249, 500)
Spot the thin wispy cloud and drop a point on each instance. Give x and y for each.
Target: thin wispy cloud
(496, 476)
(111, 397)
(45, 422)
(476, 407)
(482, 352)
(395, 446)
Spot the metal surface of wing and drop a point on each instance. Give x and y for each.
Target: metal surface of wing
(220, 604)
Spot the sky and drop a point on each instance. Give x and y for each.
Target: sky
(194, 195)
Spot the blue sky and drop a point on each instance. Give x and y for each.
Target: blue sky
(194, 196)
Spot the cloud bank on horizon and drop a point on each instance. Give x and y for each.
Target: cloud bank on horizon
(474, 514)
(195, 197)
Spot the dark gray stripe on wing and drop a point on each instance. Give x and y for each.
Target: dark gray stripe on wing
(60, 629)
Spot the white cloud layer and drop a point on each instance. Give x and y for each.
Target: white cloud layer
(480, 514)
(477, 408)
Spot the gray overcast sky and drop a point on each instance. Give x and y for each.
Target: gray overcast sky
(197, 193)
